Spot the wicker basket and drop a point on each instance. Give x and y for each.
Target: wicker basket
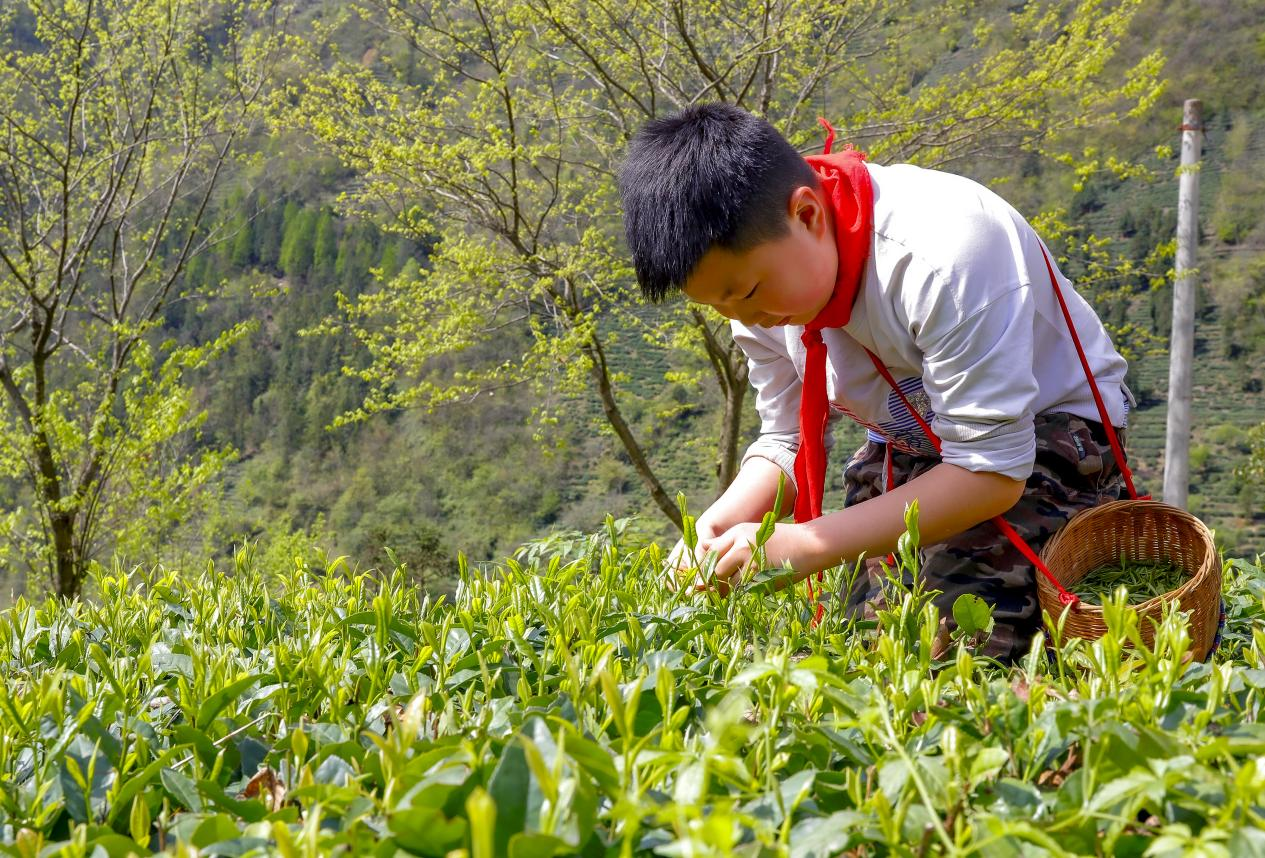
(1142, 532)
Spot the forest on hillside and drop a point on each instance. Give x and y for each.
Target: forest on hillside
(293, 412)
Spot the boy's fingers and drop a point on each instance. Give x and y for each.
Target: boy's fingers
(716, 545)
(737, 558)
(683, 559)
(732, 562)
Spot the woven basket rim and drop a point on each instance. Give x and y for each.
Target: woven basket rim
(1209, 567)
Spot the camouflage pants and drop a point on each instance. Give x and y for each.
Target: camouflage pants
(1074, 469)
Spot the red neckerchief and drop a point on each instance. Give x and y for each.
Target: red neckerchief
(846, 183)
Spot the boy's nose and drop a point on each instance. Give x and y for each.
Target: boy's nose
(745, 315)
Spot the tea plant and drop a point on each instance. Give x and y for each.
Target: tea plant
(582, 707)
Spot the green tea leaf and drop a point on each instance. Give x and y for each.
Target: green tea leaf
(690, 533)
(509, 788)
(481, 811)
(537, 846)
(136, 783)
(426, 831)
(102, 841)
(972, 614)
(768, 524)
(247, 809)
(213, 704)
(595, 760)
(214, 829)
(139, 820)
(183, 790)
(765, 531)
(86, 777)
(825, 836)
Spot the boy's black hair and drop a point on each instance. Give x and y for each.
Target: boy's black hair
(712, 174)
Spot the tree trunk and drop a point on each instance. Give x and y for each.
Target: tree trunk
(727, 448)
(66, 567)
(601, 374)
(730, 366)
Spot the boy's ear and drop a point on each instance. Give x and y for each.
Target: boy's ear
(807, 206)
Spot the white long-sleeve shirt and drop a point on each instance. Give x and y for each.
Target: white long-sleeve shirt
(957, 302)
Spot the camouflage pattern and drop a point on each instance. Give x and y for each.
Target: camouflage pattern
(1074, 469)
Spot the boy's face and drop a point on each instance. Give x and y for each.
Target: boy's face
(786, 281)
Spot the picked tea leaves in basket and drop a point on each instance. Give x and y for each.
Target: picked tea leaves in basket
(1136, 534)
(1142, 581)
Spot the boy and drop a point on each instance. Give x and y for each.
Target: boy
(818, 260)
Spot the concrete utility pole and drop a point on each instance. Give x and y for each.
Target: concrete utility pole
(1182, 343)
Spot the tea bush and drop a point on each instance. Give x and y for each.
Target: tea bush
(568, 703)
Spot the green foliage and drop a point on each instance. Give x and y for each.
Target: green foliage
(268, 231)
(1254, 468)
(1199, 454)
(568, 703)
(1240, 288)
(242, 251)
(972, 615)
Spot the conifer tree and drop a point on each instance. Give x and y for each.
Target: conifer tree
(324, 248)
(268, 225)
(243, 249)
(297, 244)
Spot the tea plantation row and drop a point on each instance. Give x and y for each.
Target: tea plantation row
(568, 703)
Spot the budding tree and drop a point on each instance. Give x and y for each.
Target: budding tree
(118, 119)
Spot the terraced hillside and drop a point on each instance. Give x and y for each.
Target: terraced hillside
(1222, 414)
(1228, 397)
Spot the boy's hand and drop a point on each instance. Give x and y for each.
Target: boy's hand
(682, 563)
(736, 547)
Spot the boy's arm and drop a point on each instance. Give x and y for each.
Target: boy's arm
(748, 497)
(950, 499)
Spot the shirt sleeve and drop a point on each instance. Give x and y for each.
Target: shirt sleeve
(978, 374)
(778, 388)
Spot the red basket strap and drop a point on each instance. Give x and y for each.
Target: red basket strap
(1093, 385)
(1026, 550)
(889, 485)
(1010, 533)
(887, 376)
(812, 597)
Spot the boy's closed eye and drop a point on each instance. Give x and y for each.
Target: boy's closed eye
(752, 292)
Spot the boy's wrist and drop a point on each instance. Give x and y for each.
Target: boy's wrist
(707, 527)
(821, 545)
